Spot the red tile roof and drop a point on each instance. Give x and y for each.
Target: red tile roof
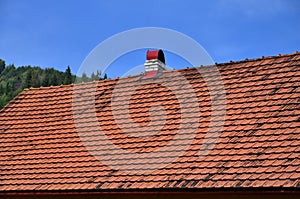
(259, 146)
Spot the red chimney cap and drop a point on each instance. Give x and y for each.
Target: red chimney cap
(156, 54)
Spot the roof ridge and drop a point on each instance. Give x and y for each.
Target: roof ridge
(259, 59)
(182, 69)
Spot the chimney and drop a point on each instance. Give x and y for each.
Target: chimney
(155, 61)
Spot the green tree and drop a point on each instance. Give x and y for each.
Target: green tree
(105, 76)
(27, 81)
(94, 76)
(84, 77)
(53, 80)
(68, 76)
(1, 89)
(18, 82)
(2, 65)
(45, 81)
(7, 88)
(14, 79)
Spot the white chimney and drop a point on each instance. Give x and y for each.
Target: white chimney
(155, 61)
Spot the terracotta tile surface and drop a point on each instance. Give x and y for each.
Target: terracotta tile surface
(259, 145)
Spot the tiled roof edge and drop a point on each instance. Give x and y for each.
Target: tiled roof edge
(13, 100)
(225, 190)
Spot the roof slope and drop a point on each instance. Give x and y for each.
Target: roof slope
(41, 149)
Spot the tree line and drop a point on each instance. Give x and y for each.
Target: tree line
(14, 79)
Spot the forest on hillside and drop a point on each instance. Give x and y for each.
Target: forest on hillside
(14, 79)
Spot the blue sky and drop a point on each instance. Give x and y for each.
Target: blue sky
(59, 33)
